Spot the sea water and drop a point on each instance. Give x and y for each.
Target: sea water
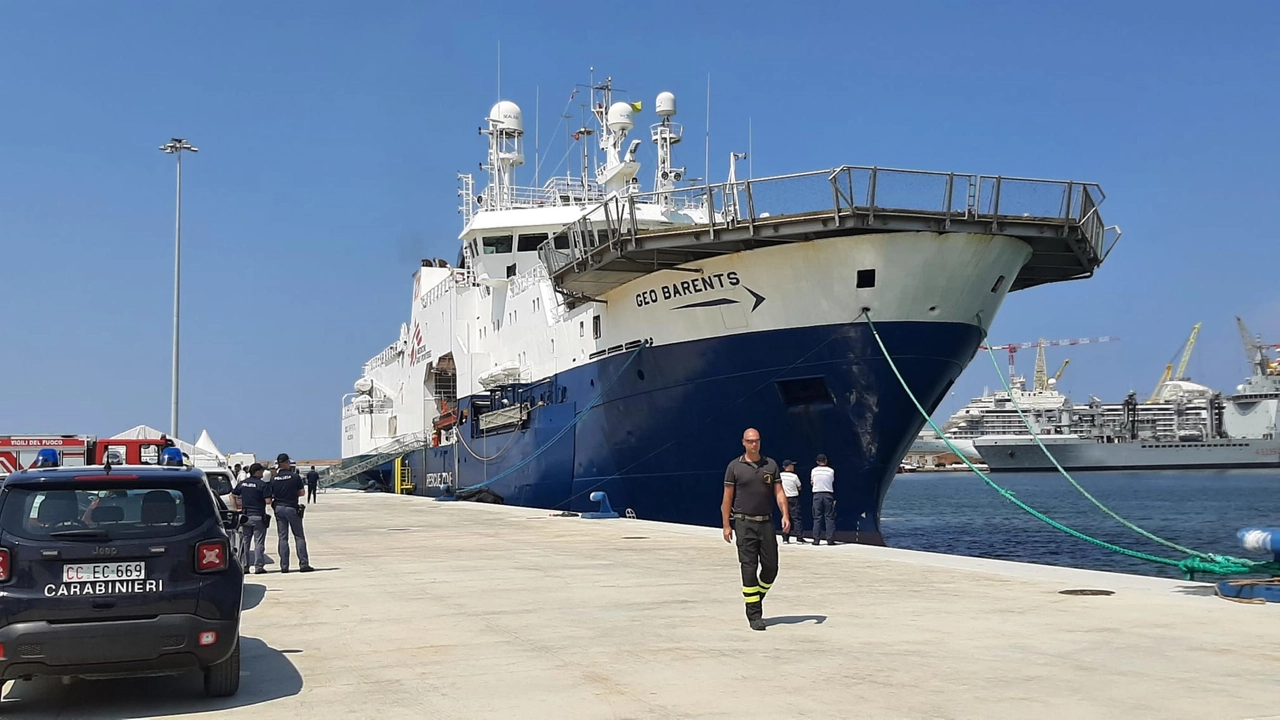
(957, 513)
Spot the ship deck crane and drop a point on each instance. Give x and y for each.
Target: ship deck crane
(1041, 381)
(1058, 375)
(1257, 352)
(1168, 375)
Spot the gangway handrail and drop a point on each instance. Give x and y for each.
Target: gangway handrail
(384, 453)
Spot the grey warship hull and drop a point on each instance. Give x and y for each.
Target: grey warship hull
(1023, 455)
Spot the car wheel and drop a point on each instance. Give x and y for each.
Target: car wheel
(223, 679)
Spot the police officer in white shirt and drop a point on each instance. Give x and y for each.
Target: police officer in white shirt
(791, 488)
(823, 479)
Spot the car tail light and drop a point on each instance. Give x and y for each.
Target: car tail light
(1, 651)
(4, 564)
(212, 556)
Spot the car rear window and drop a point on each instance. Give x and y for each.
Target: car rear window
(130, 510)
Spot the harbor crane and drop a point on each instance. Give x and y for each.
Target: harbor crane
(1041, 381)
(1158, 393)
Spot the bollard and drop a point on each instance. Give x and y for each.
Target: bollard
(606, 510)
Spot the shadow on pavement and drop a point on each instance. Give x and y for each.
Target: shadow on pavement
(265, 674)
(794, 620)
(253, 594)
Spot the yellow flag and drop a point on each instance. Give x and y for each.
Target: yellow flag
(636, 106)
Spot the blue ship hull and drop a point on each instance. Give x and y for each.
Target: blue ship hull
(670, 419)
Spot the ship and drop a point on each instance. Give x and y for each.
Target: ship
(1184, 425)
(997, 413)
(596, 344)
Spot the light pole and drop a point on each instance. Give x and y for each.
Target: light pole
(175, 147)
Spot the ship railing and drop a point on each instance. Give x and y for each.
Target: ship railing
(371, 407)
(557, 192)
(527, 279)
(941, 198)
(384, 358)
(352, 467)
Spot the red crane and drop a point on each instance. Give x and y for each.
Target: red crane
(1013, 349)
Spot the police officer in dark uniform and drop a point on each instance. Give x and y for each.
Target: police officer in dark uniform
(287, 487)
(254, 492)
(751, 489)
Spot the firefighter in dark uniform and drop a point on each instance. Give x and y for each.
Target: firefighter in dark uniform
(751, 489)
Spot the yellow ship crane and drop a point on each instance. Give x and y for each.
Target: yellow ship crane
(1182, 367)
(1058, 375)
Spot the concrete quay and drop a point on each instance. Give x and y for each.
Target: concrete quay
(459, 610)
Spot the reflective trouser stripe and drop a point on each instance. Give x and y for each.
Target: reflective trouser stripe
(752, 594)
(752, 599)
(764, 588)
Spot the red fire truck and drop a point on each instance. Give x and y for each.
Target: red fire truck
(17, 452)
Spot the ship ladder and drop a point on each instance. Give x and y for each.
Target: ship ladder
(1205, 563)
(404, 477)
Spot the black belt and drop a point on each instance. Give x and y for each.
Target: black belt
(757, 518)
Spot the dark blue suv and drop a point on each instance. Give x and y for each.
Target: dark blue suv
(116, 571)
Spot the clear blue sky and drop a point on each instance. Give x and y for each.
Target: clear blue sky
(330, 135)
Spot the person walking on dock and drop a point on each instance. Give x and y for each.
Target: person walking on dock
(823, 480)
(286, 488)
(791, 488)
(313, 481)
(751, 489)
(253, 493)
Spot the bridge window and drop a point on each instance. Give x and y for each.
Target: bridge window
(595, 326)
(562, 241)
(530, 243)
(497, 244)
(866, 278)
(999, 284)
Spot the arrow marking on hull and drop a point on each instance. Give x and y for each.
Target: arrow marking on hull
(708, 303)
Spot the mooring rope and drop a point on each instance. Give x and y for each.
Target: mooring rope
(1027, 423)
(1197, 563)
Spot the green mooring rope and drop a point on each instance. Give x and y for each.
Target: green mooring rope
(1026, 423)
(1198, 562)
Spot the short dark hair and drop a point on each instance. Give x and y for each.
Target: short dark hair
(821, 458)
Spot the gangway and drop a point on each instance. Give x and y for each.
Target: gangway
(352, 467)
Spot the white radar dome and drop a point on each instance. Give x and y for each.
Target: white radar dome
(508, 116)
(364, 385)
(1052, 381)
(620, 116)
(665, 105)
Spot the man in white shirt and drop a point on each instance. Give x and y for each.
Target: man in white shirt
(823, 480)
(791, 488)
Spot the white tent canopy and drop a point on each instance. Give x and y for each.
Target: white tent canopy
(206, 443)
(203, 454)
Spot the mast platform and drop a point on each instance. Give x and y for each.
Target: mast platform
(1059, 219)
